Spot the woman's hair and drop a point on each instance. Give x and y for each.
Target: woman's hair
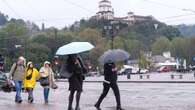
(28, 66)
(71, 58)
(47, 62)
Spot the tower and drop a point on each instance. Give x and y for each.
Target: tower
(105, 10)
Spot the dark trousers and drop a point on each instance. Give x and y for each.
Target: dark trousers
(30, 93)
(106, 89)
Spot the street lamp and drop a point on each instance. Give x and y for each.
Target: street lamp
(110, 30)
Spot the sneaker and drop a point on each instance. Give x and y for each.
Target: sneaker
(46, 102)
(18, 101)
(30, 100)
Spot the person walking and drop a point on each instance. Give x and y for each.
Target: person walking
(17, 74)
(46, 79)
(76, 67)
(110, 76)
(31, 76)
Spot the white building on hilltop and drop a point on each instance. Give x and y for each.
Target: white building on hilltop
(107, 12)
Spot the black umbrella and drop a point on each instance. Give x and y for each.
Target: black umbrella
(114, 56)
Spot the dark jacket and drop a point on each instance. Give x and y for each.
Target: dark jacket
(110, 73)
(78, 69)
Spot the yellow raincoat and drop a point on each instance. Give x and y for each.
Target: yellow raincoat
(32, 82)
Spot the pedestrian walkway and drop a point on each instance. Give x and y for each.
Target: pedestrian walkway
(148, 78)
(134, 96)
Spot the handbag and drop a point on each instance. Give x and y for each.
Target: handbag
(54, 86)
(44, 81)
(29, 76)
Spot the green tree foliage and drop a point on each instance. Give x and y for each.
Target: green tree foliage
(53, 41)
(38, 53)
(93, 36)
(146, 32)
(184, 48)
(143, 62)
(186, 30)
(3, 19)
(42, 45)
(161, 45)
(15, 28)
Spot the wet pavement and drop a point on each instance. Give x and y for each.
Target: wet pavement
(134, 96)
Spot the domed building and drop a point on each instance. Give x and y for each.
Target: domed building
(105, 10)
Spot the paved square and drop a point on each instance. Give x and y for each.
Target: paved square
(134, 96)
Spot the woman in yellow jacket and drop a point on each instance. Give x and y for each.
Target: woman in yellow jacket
(31, 76)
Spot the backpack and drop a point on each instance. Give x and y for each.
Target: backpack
(16, 68)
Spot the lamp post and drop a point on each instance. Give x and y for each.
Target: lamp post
(110, 30)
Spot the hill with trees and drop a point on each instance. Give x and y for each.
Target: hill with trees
(187, 30)
(19, 37)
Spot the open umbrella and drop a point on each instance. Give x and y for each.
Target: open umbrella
(74, 48)
(114, 56)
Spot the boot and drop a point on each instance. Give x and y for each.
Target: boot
(97, 107)
(119, 108)
(77, 108)
(70, 108)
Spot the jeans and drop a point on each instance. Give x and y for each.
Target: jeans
(30, 93)
(46, 94)
(115, 88)
(18, 86)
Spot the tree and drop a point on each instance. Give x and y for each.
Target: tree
(119, 43)
(53, 41)
(38, 53)
(13, 33)
(15, 28)
(161, 45)
(3, 19)
(170, 32)
(90, 35)
(93, 36)
(179, 47)
(143, 62)
(183, 48)
(134, 47)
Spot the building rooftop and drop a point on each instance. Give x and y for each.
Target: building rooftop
(105, 1)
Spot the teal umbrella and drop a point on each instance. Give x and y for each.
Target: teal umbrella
(74, 48)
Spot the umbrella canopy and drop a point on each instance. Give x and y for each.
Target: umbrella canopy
(114, 56)
(74, 48)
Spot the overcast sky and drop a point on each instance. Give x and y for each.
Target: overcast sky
(60, 13)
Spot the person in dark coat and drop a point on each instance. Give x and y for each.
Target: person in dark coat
(110, 76)
(77, 68)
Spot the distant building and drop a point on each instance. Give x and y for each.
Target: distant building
(163, 60)
(107, 12)
(134, 63)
